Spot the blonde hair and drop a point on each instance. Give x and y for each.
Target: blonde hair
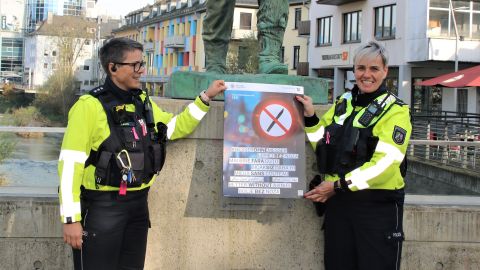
(371, 49)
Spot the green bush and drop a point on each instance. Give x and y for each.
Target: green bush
(7, 145)
(25, 116)
(55, 98)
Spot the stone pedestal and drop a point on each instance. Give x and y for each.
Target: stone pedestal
(187, 85)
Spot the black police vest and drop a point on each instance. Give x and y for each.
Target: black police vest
(344, 148)
(127, 132)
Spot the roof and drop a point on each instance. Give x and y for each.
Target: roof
(64, 25)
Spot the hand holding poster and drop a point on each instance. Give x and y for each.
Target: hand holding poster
(264, 141)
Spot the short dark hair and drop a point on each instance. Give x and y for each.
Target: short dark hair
(113, 51)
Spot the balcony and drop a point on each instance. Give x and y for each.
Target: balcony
(148, 46)
(304, 28)
(175, 42)
(302, 69)
(336, 2)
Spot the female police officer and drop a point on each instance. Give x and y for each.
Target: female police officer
(360, 145)
(113, 147)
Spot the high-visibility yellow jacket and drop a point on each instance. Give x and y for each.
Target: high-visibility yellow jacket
(87, 128)
(392, 128)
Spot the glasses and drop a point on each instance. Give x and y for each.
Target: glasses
(136, 65)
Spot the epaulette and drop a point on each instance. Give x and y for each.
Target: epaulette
(97, 91)
(398, 101)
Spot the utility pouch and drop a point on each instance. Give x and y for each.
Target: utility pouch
(328, 148)
(322, 157)
(319, 206)
(103, 167)
(158, 152)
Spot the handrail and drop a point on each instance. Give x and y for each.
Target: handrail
(32, 129)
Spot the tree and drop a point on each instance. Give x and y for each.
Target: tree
(70, 34)
(244, 58)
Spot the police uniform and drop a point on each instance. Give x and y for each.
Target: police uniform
(361, 141)
(110, 154)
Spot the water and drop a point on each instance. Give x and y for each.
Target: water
(33, 162)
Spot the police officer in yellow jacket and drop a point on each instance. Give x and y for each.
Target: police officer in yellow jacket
(112, 150)
(360, 145)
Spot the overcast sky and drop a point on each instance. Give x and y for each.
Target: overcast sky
(116, 8)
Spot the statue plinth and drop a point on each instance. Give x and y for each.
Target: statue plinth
(187, 85)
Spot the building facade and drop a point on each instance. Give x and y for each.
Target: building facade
(295, 45)
(38, 10)
(11, 40)
(420, 36)
(171, 32)
(43, 50)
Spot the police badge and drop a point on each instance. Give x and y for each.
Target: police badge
(399, 135)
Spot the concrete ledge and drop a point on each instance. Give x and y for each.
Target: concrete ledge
(192, 230)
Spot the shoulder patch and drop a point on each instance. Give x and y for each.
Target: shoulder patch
(96, 91)
(399, 135)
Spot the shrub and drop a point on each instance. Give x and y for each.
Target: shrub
(25, 116)
(7, 145)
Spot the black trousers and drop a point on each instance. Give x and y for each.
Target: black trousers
(115, 231)
(363, 230)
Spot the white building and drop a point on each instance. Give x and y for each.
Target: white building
(42, 51)
(419, 36)
(11, 40)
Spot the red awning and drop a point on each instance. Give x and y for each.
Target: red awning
(462, 78)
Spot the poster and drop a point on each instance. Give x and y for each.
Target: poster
(264, 141)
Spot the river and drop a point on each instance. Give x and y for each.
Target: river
(34, 164)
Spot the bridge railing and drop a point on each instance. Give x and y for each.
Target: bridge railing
(459, 154)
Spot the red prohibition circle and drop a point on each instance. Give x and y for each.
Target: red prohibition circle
(262, 107)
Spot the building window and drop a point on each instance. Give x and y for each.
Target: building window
(298, 17)
(245, 21)
(54, 53)
(4, 22)
(282, 55)
(45, 65)
(352, 26)
(86, 67)
(385, 22)
(87, 42)
(296, 56)
(324, 31)
(462, 100)
(467, 16)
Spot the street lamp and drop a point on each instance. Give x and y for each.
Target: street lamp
(457, 37)
(456, 46)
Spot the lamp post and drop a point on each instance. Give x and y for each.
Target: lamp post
(456, 47)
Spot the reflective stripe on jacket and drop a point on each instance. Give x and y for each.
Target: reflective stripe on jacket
(87, 128)
(382, 171)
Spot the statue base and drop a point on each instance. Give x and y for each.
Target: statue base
(187, 85)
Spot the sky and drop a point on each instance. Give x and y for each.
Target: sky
(116, 8)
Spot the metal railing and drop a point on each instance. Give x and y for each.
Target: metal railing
(459, 154)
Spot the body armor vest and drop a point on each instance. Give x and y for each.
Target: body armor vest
(132, 143)
(345, 147)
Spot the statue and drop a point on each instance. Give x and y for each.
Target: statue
(272, 20)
